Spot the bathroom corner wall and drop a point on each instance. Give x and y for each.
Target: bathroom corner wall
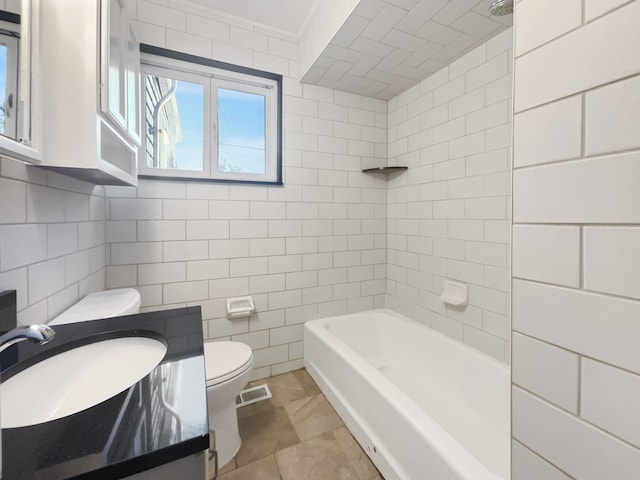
(449, 213)
(320, 28)
(52, 247)
(313, 247)
(576, 240)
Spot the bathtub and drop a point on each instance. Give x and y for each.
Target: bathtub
(422, 405)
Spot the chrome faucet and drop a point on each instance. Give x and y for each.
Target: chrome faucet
(36, 333)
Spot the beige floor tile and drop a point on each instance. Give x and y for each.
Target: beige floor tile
(272, 431)
(307, 382)
(284, 388)
(263, 469)
(356, 456)
(312, 416)
(264, 434)
(230, 465)
(320, 458)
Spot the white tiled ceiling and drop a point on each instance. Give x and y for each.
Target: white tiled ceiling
(285, 15)
(386, 46)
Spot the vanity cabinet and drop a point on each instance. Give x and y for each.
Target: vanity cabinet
(156, 429)
(192, 467)
(91, 91)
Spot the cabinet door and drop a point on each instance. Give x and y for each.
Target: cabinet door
(134, 120)
(114, 54)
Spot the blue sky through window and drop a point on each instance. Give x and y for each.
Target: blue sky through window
(234, 136)
(190, 151)
(241, 129)
(241, 132)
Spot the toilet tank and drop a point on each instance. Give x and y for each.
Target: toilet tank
(110, 303)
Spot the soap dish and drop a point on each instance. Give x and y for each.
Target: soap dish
(454, 293)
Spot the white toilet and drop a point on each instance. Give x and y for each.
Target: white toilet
(106, 304)
(228, 368)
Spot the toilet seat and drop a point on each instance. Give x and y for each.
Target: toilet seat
(226, 360)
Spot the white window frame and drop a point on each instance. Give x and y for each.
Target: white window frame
(213, 75)
(144, 169)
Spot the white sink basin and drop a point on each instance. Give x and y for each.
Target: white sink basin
(77, 379)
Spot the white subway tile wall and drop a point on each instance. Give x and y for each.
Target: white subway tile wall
(448, 215)
(526, 465)
(52, 240)
(576, 446)
(576, 241)
(313, 247)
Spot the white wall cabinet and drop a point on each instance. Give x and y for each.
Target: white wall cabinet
(91, 90)
(20, 72)
(120, 68)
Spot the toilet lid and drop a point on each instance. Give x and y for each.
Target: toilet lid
(106, 304)
(225, 360)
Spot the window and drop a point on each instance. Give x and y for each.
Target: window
(210, 120)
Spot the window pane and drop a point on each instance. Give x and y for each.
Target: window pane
(241, 132)
(175, 124)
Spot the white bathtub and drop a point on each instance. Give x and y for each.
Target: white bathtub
(423, 406)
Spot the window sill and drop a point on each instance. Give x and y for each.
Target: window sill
(208, 180)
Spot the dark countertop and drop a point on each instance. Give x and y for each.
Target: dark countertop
(129, 433)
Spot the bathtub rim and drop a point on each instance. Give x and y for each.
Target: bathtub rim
(315, 323)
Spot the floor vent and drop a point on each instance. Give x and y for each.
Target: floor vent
(253, 395)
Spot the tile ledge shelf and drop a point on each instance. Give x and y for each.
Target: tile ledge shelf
(384, 169)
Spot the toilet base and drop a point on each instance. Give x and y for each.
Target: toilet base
(230, 365)
(224, 423)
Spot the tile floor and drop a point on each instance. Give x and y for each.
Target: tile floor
(296, 435)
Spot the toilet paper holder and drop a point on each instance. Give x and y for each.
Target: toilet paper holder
(238, 307)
